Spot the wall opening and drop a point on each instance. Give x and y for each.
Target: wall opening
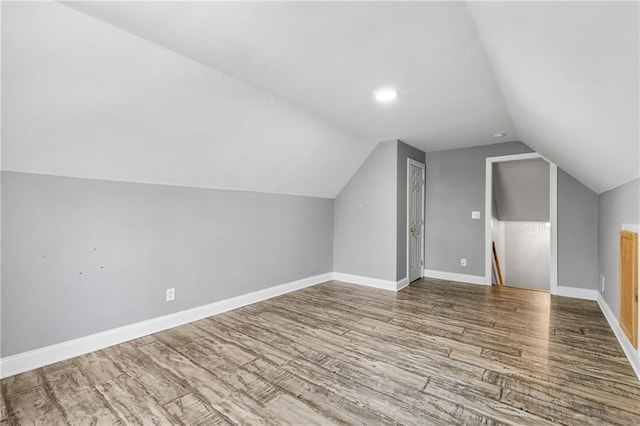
(520, 223)
(521, 219)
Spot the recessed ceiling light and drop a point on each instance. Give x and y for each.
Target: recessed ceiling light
(386, 94)
(499, 134)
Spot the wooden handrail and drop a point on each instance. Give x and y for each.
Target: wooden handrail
(495, 258)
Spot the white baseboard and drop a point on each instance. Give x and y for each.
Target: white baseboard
(629, 350)
(26, 361)
(451, 276)
(402, 283)
(371, 282)
(577, 293)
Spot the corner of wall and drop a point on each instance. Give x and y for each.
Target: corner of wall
(365, 218)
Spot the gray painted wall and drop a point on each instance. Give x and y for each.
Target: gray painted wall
(364, 234)
(82, 256)
(454, 188)
(521, 190)
(404, 152)
(577, 233)
(616, 206)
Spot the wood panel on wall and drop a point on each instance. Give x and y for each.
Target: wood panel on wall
(629, 285)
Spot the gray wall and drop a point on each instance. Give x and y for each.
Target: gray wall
(521, 190)
(82, 256)
(577, 233)
(404, 152)
(454, 188)
(616, 206)
(365, 218)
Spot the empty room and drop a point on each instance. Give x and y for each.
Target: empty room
(314, 213)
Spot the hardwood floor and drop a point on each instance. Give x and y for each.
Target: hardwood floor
(434, 353)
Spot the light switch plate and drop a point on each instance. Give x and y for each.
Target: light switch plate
(475, 215)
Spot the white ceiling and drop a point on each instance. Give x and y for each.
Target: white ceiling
(569, 73)
(278, 96)
(82, 98)
(329, 57)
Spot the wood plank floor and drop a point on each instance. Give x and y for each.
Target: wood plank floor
(435, 353)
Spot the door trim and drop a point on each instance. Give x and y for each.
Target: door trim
(422, 166)
(553, 214)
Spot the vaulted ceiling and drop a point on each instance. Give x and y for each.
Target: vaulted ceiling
(569, 75)
(277, 97)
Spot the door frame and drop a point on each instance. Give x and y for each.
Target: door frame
(553, 215)
(422, 166)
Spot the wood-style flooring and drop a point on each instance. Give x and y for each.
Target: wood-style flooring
(435, 353)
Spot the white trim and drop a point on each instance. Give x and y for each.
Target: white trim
(422, 166)
(629, 350)
(367, 281)
(577, 293)
(402, 283)
(488, 215)
(553, 215)
(451, 276)
(25, 361)
(517, 157)
(553, 220)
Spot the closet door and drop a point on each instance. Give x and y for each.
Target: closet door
(629, 285)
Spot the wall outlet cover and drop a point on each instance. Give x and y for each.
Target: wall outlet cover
(475, 215)
(601, 283)
(171, 294)
(463, 262)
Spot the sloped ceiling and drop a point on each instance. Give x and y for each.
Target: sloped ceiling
(277, 97)
(82, 98)
(569, 74)
(329, 57)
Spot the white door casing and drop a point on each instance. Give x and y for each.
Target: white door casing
(415, 219)
(553, 215)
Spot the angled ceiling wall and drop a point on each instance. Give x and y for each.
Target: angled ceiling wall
(569, 73)
(277, 96)
(329, 57)
(85, 99)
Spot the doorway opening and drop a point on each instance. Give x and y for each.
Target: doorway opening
(521, 222)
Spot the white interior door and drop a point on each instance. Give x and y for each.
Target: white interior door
(415, 219)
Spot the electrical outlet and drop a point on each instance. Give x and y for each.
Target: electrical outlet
(171, 294)
(463, 262)
(475, 215)
(601, 283)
